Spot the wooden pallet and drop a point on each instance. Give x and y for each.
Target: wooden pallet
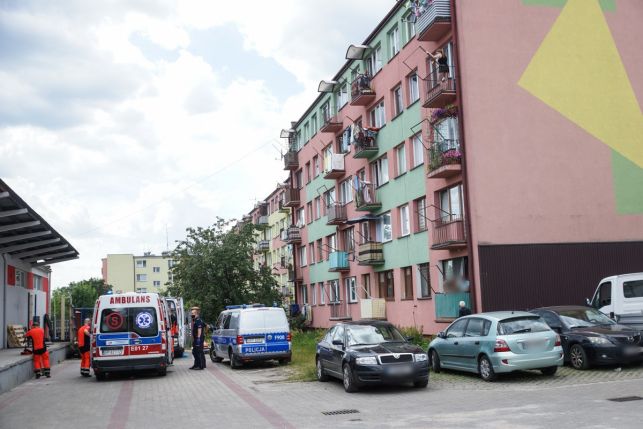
(16, 336)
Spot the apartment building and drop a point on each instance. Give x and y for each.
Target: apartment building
(454, 158)
(131, 273)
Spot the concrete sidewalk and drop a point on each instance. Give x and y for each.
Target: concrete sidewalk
(15, 368)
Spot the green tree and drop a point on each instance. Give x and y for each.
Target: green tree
(214, 268)
(80, 294)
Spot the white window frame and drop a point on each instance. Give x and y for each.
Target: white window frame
(384, 231)
(351, 289)
(410, 26)
(141, 263)
(313, 295)
(335, 296)
(322, 293)
(405, 223)
(414, 88)
(420, 281)
(301, 217)
(157, 283)
(304, 294)
(341, 96)
(379, 171)
(394, 41)
(421, 214)
(398, 100)
(400, 159)
(377, 115)
(141, 277)
(418, 150)
(156, 269)
(303, 260)
(346, 191)
(374, 61)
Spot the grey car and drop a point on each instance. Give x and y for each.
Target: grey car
(497, 342)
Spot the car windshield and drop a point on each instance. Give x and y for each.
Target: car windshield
(522, 325)
(583, 317)
(369, 334)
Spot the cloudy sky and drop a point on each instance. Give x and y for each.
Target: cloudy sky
(119, 119)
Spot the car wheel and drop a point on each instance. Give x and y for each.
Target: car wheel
(214, 357)
(162, 372)
(578, 357)
(100, 376)
(549, 371)
(485, 369)
(435, 361)
(321, 374)
(421, 384)
(284, 361)
(349, 381)
(234, 361)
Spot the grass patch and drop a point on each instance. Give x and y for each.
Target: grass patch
(304, 347)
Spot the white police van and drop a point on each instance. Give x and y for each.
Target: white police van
(130, 332)
(247, 333)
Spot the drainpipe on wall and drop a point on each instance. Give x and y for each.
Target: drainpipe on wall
(467, 211)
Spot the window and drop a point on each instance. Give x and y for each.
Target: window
(385, 285)
(456, 329)
(446, 131)
(301, 217)
(420, 210)
(334, 291)
(37, 283)
(418, 150)
(374, 62)
(605, 294)
(451, 204)
(365, 232)
(398, 103)
(341, 97)
(414, 88)
(317, 208)
(349, 240)
(455, 275)
(304, 294)
(141, 290)
(309, 210)
(633, 289)
(331, 240)
(424, 281)
(409, 23)
(322, 293)
(141, 263)
(379, 171)
(313, 295)
(448, 50)
(316, 165)
(378, 115)
(346, 191)
(302, 256)
(394, 41)
(313, 123)
(326, 112)
(156, 269)
(308, 172)
(384, 232)
(170, 263)
(405, 228)
(311, 247)
(351, 289)
(320, 250)
(477, 328)
(366, 284)
(306, 131)
(157, 283)
(345, 141)
(141, 277)
(407, 275)
(400, 158)
(115, 320)
(339, 333)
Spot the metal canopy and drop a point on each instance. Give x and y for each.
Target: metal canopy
(25, 235)
(284, 134)
(327, 86)
(356, 52)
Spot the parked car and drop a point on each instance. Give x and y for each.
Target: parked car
(370, 352)
(621, 298)
(498, 342)
(591, 338)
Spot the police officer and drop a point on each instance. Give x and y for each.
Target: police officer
(84, 342)
(198, 334)
(40, 354)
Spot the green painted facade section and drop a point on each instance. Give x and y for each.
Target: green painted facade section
(401, 128)
(318, 228)
(606, 5)
(319, 272)
(628, 185)
(402, 189)
(405, 251)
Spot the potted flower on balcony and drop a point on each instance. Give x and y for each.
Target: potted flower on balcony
(451, 156)
(448, 111)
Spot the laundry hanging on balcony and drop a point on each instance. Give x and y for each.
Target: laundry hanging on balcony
(346, 139)
(364, 136)
(418, 7)
(364, 191)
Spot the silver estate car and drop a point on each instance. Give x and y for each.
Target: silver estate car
(497, 342)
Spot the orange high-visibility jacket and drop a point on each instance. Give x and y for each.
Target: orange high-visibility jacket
(37, 335)
(81, 336)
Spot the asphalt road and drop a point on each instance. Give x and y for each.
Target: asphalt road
(261, 397)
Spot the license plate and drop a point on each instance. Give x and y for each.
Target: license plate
(253, 340)
(116, 351)
(399, 370)
(531, 345)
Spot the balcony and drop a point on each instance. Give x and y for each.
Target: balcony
(262, 222)
(435, 21)
(361, 92)
(448, 233)
(340, 310)
(338, 261)
(294, 275)
(291, 197)
(366, 198)
(334, 166)
(291, 160)
(263, 246)
(365, 144)
(441, 89)
(293, 235)
(331, 124)
(445, 159)
(283, 208)
(370, 253)
(373, 308)
(447, 304)
(336, 214)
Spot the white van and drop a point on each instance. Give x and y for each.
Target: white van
(177, 313)
(621, 298)
(130, 332)
(246, 333)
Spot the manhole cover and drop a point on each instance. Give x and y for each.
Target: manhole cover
(336, 412)
(625, 399)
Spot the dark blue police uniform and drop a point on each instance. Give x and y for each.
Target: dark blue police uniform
(197, 343)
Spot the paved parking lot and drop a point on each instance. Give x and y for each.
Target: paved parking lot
(261, 396)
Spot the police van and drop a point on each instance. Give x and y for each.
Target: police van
(246, 333)
(130, 332)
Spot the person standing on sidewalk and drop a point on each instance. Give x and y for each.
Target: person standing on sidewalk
(40, 354)
(198, 335)
(84, 342)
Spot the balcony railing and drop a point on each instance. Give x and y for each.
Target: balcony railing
(338, 261)
(361, 92)
(435, 21)
(445, 159)
(336, 214)
(334, 166)
(331, 124)
(441, 89)
(262, 221)
(291, 160)
(340, 310)
(366, 198)
(448, 232)
(447, 304)
(291, 197)
(293, 235)
(373, 308)
(263, 246)
(365, 143)
(370, 253)
(283, 208)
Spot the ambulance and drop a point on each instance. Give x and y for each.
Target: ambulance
(130, 332)
(177, 313)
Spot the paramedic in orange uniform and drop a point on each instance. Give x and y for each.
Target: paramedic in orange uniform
(40, 353)
(84, 341)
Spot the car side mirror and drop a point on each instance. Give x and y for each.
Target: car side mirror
(558, 329)
(588, 302)
(442, 334)
(338, 343)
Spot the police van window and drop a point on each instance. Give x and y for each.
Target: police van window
(220, 321)
(633, 289)
(234, 320)
(264, 318)
(141, 320)
(226, 321)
